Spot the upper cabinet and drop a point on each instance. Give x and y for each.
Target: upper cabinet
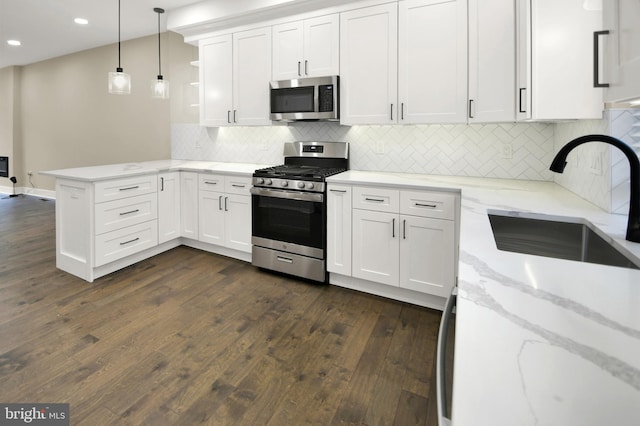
(306, 48)
(622, 49)
(492, 61)
(556, 60)
(432, 61)
(235, 70)
(369, 65)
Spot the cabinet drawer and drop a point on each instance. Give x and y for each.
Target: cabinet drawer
(123, 188)
(118, 214)
(125, 242)
(237, 185)
(207, 182)
(437, 205)
(377, 199)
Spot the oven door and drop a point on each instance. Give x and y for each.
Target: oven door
(290, 221)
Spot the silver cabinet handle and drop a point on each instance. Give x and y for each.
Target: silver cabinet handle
(391, 111)
(220, 202)
(596, 58)
(306, 67)
(471, 108)
(208, 182)
(377, 200)
(237, 185)
(338, 190)
(226, 209)
(431, 206)
(129, 188)
(393, 228)
(129, 212)
(234, 115)
(130, 241)
(404, 229)
(284, 259)
(402, 111)
(229, 116)
(299, 75)
(161, 184)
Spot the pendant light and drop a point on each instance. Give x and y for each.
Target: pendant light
(160, 86)
(119, 82)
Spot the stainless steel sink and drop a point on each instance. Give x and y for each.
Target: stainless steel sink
(551, 237)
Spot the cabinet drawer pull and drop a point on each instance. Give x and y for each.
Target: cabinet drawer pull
(130, 241)
(226, 209)
(284, 259)
(237, 185)
(128, 188)
(431, 206)
(208, 182)
(393, 228)
(161, 184)
(306, 67)
(338, 190)
(220, 202)
(377, 200)
(404, 229)
(523, 91)
(129, 212)
(299, 75)
(391, 112)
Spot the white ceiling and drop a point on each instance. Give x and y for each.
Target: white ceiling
(46, 28)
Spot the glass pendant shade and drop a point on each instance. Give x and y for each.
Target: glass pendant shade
(160, 88)
(119, 83)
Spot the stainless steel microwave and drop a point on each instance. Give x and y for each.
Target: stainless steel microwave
(316, 98)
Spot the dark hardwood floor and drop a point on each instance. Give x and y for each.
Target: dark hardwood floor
(189, 337)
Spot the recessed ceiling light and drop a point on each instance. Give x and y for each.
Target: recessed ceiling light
(14, 42)
(81, 21)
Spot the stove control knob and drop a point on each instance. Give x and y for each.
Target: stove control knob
(284, 183)
(309, 185)
(268, 182)
(301, 185)
(259, 181)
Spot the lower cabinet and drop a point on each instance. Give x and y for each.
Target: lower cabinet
(169, 213)
(224, 205)
(401, 238)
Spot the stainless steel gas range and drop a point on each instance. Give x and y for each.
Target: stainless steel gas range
(289, 214)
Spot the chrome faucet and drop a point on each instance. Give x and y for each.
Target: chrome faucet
(633, 223)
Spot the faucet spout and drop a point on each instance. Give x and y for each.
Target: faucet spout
(633, 224)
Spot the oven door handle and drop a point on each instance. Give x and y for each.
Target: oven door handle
(290, 195)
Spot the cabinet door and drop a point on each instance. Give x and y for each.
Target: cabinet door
(211, 217)
(252, 74)
(492, 61)
(287, 51)
(237, 228)
(169, 201)
(369, 65)
(427, 255)
(433, 61)
(376, 245)
(216, 81)
(189, 204)
(321, 46)
(339, 229)
(561, 60)
(623, 49)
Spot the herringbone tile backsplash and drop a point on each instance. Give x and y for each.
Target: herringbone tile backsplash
(512, 150)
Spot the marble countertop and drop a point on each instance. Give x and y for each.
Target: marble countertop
(539, 341)
(116, 171)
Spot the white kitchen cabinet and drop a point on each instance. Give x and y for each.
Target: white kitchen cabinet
(622, 63)
(235, 71)
(492, 61)
(306, 48)
(555, 60)
(432, 63)
(225, 211)
(369, 65)
(405, 239)
(189, 205)
(169, 203)
(339, 229)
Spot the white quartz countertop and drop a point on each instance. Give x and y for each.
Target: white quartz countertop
(115, 171)
(539, 341)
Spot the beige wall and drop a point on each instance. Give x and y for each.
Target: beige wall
(66, 118)
(9, 116)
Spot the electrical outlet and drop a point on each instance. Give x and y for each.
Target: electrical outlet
(379, 149)
(507, 151)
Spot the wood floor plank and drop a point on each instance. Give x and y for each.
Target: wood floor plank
(189, 337)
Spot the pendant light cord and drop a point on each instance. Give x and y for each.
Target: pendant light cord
(159, 62)
(119, 67)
